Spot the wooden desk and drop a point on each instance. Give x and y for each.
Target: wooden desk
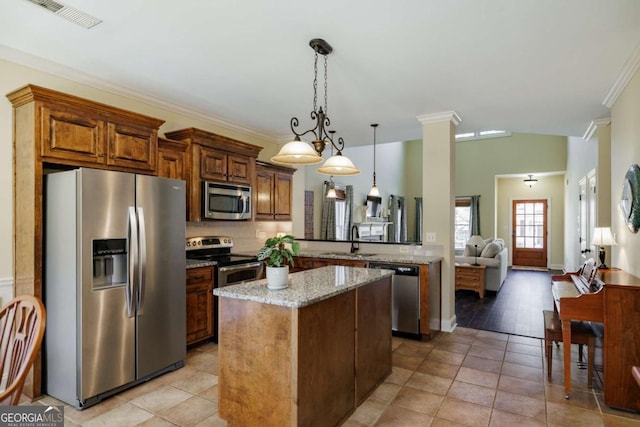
(470, 277)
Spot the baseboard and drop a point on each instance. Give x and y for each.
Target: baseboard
(6, 290)
(450, 325)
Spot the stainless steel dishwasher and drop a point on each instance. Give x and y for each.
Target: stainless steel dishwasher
(405, 299)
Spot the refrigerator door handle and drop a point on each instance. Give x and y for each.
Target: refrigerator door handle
(132, 273)
(143, 262)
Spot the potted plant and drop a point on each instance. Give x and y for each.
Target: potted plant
(278, 256)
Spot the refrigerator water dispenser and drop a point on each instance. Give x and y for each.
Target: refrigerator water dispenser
(109, 263)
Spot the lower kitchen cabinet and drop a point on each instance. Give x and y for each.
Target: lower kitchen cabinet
(200, 316)
(307, 263)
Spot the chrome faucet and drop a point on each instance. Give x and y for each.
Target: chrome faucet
(354, 245)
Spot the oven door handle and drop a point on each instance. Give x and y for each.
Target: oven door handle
(239, 267)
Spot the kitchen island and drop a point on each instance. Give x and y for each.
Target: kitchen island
(305, 355)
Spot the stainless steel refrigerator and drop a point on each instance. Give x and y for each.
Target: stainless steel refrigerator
(114, 286)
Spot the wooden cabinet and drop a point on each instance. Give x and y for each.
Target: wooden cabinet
(200, 315)
(273, 192)
(218, 165)
(78, 134)
(621, 344)
(213, 157)
(470, 277)
(172, 159)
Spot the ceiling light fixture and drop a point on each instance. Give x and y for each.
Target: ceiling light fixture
(299, 152)
(374, 192)
(531, 181)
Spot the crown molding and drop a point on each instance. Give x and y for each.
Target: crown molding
(68, 73)
(626, 74)
(443, 116)
(593, 127)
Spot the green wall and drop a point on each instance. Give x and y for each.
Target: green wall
(478, 162)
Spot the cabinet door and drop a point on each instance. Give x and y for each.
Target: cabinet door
(282, 204)
(171, 163)
(213, 165)
(132, 147)
(264, 194)
(200, 316)
(239, 169)
(72, 135)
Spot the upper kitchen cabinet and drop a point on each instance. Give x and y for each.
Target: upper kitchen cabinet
(77, 132)
(214, 158)
(273, 192)
(173, 159)
(217, 165)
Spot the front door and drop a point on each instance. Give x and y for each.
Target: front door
(529, 220)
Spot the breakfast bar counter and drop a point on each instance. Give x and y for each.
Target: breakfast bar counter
(305, 355)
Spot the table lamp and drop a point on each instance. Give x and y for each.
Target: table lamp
(476, 241)
(602, 237)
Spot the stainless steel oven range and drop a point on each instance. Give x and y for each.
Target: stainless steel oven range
(229, 269)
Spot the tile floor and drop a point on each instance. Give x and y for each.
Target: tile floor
(465, 378)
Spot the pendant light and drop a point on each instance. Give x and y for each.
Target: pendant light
(298, 152)
(374, 192)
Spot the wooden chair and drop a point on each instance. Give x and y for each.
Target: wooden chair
(22, 323)
(581, 334)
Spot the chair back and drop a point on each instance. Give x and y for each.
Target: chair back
(22, 323)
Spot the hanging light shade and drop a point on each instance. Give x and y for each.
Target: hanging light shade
(374, 192)
(531, 181)
(338, 165)
(298, 152)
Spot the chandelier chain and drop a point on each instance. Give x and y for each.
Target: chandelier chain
(315, 82)
(326, 108)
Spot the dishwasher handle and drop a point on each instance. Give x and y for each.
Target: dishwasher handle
(399, 269)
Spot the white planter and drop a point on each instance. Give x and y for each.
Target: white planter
(277, 277)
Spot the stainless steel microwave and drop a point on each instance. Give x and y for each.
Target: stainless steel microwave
(226, 201)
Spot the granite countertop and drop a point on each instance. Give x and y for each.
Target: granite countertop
(305, 287)
(391, 258)
(195, 263)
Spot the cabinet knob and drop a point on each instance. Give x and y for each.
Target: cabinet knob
(100, 154)
(113, 156)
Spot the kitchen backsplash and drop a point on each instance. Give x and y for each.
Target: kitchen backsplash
(247, 236)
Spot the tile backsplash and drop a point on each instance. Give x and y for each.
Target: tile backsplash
(247, 236)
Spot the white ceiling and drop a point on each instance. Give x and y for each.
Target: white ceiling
(539, 66)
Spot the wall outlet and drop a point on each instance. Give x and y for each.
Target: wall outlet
(431, 237)
(404, 249)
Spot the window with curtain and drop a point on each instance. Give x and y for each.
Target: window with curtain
(462, 222)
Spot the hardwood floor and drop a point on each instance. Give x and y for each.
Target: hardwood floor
(516, 309)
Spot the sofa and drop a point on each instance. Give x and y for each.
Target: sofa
(493, 254)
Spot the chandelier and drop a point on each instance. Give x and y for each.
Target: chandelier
(298, 152)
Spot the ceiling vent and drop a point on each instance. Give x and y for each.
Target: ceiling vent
(67, 12)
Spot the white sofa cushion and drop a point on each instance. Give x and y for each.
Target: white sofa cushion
(470, 250)
(491, 250)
